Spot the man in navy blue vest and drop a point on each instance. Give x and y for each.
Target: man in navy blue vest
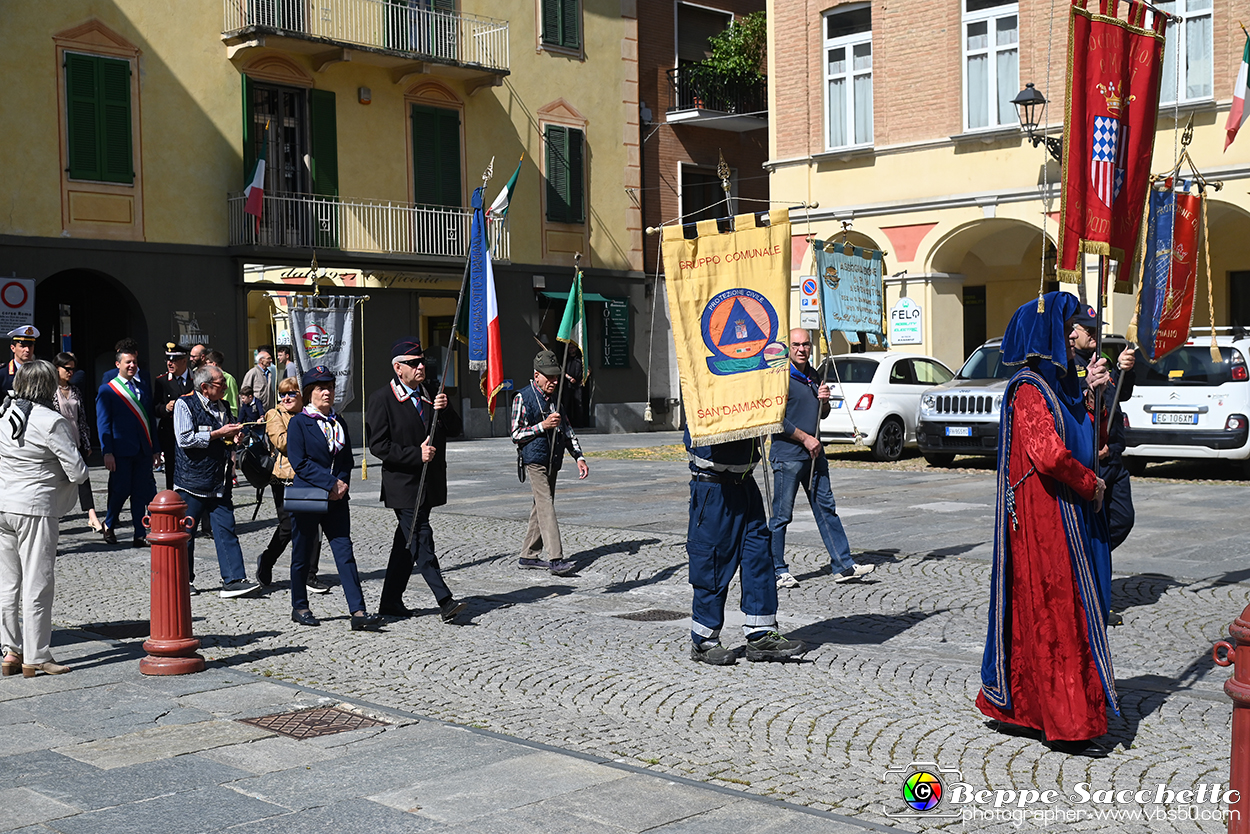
(204, 428)
(727, 533)
(398, 425)
(123, 411)
(543, 433)
(793, 455)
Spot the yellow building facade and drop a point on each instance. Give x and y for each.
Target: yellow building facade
(899, 120)
(132, 128)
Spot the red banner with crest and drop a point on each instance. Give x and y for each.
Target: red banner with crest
(1114, 70)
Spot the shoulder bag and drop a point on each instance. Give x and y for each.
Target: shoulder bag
(306, 500)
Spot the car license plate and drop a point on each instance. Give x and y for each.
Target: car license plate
(1174, 418)
(959, 431)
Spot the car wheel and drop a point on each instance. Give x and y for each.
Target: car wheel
(939, 458)
(1135, 466)
(889, 445)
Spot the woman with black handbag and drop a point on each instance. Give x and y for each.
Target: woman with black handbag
(320, 453)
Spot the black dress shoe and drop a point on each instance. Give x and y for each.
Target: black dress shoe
(140, 542)
(401, 611)
(366, 622)
(109, 536)
(449, 609)
(305, 618)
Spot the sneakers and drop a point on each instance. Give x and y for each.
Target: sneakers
(713, 654)
(562, 568)
(449, 609)
(317, 586)
(785, 580)
(237, 588)
(856, 572)
(772, 646)
(534, 564)
(195, 592)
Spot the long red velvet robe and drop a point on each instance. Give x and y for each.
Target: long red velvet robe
(1055, 687)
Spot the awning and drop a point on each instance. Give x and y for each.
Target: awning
(563, 296)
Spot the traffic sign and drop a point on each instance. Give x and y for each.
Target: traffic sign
(808, 299)
(17, 303)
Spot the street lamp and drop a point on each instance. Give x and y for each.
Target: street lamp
(1030, 104)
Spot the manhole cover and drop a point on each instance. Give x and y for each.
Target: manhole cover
(311, 723)
(127, 630)
(653, 615)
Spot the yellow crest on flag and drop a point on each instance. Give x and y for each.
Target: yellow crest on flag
(729, 298)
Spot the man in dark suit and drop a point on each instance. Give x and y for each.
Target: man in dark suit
(398, 427)
(124, 419)
(170, 385)
(22, 344)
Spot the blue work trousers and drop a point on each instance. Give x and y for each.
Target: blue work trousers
(229, 553)
(131, 478)
(337, 525)
(727, 531)
(787, 476)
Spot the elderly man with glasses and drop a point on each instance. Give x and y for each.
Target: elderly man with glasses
(205, 429)
(407, 425)
(794, 454)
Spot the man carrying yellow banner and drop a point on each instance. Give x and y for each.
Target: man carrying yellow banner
(729, 302)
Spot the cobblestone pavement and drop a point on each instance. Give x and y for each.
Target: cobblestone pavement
(890, 678)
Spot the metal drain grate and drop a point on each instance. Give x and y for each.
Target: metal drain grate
(653, 615)
(311, 723)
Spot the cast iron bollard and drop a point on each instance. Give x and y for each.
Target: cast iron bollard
(1237, 655)
(171, 648)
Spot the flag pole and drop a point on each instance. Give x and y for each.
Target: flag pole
(551, 450)
(1104, 268)
(442, 382)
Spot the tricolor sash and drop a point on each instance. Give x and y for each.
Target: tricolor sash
(135, 405)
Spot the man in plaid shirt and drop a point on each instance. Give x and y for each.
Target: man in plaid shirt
(542, 434)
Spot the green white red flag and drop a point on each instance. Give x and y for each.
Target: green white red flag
(255, 189)
(1237, 115)
(573, 325)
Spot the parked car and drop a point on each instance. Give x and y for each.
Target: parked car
(877, 394)
(961, 417)
(1185, 406)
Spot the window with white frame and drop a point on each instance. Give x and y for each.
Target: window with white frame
(1190, 38)
(991, 30)
(848, 76)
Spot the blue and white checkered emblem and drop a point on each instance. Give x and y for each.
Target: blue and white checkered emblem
(1104, 156)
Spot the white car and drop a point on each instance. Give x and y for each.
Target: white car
(1186, 406)
(878, 395)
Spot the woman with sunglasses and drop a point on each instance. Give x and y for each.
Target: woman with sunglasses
(321, 457)
(70, 405)
(277, 422)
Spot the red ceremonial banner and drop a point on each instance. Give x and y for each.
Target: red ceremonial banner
(1114, 70)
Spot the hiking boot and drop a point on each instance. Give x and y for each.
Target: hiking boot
(772, 646)
(712, 653)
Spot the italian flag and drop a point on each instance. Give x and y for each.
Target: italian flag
(492, 379)
(255, 189)
(573, 325)
(499, 208)
(1237, 115)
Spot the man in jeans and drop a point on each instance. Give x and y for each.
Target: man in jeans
(793, 455)
(543, 433)
(203, 428)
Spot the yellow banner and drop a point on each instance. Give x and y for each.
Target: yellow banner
(729, 298)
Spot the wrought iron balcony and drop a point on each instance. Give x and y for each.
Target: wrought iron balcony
(308, 221)
(402, 29)
(717, 103)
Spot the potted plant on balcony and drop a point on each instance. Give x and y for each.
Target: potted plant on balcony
(724, 80)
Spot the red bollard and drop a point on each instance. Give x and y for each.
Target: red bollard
(171, 648)
(1237, 655)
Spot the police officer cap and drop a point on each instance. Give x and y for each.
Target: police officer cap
(312, 376)
(546, 363)
(25, 333)
(173, 350)
(1085, 317)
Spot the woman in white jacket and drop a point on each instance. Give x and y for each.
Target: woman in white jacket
(39, 467)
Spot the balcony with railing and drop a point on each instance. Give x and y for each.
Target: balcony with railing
(313, 221)
(391, 33)
(720, 103)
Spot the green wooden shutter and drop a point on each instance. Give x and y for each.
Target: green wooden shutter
(577, 184)
(324, 145)
(557, 174)
(83, 116)
(116, 156)
(569, 20)
(249, 130)
(436, 156)
(551, 22)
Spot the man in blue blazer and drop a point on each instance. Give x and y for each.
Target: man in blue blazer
(127, 433)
